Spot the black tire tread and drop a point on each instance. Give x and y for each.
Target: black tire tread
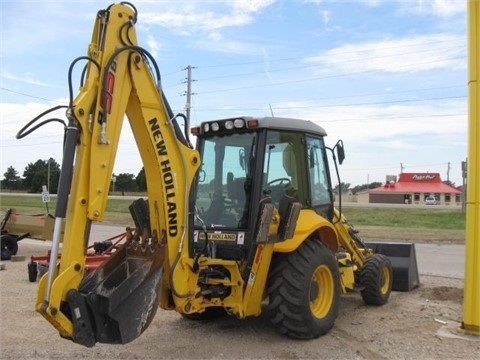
(288, 290)
(9, 246)
(371, 279)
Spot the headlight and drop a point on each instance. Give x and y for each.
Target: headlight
(206, 127)
(239, 123)
(215, 126)
(229, 125)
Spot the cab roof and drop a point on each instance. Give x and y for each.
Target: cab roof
(281, 123)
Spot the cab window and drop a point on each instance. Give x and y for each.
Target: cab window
(318, 176)
(284, 165)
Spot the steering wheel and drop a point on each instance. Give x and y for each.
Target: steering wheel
(281, 181)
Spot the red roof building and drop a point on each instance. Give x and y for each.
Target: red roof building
(414, 188)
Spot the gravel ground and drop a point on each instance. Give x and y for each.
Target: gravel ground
(420, 324)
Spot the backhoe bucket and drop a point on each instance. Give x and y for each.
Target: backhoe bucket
(404, 263)
(117, 302)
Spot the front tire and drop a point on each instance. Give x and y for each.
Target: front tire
(304, 291)
(376, 279)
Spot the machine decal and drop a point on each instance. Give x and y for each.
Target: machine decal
(251, 278)
(109, 86)
(241, 238)
(168, 177)
(258, 256)
(219, 236)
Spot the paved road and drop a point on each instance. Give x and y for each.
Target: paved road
(432, 259)
(441, 259)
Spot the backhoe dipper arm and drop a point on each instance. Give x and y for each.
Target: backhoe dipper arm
(117, 302)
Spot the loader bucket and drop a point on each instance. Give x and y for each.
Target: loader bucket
(404, 263)
(117, 302)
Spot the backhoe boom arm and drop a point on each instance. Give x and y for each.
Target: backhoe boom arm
(118, 81)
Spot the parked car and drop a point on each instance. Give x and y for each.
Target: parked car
(431, 200)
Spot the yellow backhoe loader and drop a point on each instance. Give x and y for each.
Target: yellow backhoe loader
(242, 224)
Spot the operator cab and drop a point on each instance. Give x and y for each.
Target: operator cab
(246, 162)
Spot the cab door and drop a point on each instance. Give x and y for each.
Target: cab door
(321, 195)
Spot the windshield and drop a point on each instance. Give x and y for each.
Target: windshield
(223, 189)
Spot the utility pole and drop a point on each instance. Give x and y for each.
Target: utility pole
(48, 174)
(464, 183)
(401, 168)
(188, 93)
(448, 172)
(471, 295)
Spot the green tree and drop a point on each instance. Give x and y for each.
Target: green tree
(343, 186)
(141, 180)
(125, 182)
(364, 187)
(42, 172)
(11, 180)
(449, 183)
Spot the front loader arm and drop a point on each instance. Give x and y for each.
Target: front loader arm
(349, 240)
(117, 302)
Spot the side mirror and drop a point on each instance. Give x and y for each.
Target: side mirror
(340, 151)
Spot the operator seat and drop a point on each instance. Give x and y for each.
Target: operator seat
(290, 166)
(236, 190)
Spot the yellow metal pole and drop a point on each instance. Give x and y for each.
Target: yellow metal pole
(471, 302)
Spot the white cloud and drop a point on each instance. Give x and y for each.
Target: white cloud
(410, 54)
(266, 60)
(250, 6)
(28, 78)
(326, 17)
(371, 3)
(153, 45)
(441, 8)
(191, 22)
(196, 16)
(43, 143)
(47, 141)
(374, 123)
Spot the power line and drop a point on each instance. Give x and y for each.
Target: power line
(25, 94)
(313, 78)
(236, 64)
(316, 65)
(346, 105)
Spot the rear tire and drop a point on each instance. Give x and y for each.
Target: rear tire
(376, 279)
(9, 246)
(304, 291)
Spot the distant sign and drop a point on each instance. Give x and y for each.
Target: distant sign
(45, 194)
(423, 177)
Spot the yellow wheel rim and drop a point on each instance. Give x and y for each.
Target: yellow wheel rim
(322, 291)
(385, 280)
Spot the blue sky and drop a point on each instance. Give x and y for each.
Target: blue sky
(387, 77)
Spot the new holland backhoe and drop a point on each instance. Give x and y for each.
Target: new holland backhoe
(243, 223)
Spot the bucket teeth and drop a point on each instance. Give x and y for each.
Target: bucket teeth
(121, 297)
